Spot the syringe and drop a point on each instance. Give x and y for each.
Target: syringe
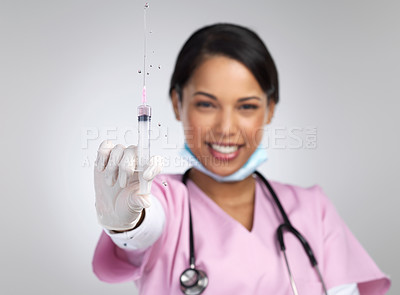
(143, 148)
(144, 118)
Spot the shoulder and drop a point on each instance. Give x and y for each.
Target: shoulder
(163, 177)
(168, 183)
(169, 190)
(296, 195)
(295, 190)
(308, 206)
(340, 255)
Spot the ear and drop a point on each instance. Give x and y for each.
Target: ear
(176, 104)
(270, 111)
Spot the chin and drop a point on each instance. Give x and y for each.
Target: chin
(224, 168)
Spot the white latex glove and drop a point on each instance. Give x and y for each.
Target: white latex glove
(118, 203)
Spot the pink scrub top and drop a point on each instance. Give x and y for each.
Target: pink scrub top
(238, 261)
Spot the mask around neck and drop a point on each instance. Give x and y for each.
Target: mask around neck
(256, 159)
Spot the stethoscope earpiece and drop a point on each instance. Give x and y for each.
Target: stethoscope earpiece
(193, 281)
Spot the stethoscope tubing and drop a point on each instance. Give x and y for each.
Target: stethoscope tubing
(285, 226)
(191, 239)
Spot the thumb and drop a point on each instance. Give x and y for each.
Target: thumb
(154, 168)
(137, 202)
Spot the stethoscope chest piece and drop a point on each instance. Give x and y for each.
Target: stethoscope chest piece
(193, 281)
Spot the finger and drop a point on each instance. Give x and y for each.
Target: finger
(127, 166)
(138, 202)
(143, 200)
(134, 201)
(154, 167)
(103, 154)
(111, 171)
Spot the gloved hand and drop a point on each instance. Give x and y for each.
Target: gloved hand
(118, 203)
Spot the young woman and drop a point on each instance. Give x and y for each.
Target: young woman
(221, 228)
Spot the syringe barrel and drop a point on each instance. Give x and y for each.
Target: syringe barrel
(144, 118)
(143, 148)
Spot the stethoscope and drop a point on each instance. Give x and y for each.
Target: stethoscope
(194, 281)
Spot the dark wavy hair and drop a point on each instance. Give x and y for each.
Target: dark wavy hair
(233, 41)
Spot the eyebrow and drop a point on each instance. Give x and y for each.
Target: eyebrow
(214, 98)
(205, 94)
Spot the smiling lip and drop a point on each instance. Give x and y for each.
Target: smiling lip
(223, 151)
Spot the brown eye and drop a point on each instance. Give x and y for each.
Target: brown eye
(249, 107)
(204, 104)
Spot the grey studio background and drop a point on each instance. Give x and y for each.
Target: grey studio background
(69, 79)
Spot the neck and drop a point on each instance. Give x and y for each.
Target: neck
(229, 193)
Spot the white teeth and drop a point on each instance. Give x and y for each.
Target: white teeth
(224, 148)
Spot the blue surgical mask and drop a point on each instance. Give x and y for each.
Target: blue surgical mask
(256, 159)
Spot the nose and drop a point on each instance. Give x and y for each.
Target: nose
(226, 123)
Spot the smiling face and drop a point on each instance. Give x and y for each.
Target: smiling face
(223, 112)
